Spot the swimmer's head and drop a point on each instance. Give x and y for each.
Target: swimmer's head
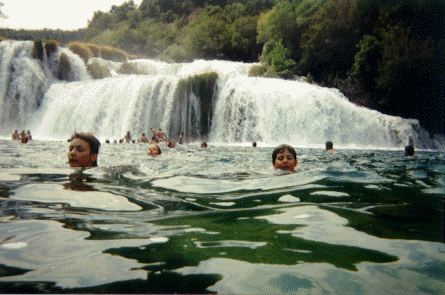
(284, 157)
(83, 150)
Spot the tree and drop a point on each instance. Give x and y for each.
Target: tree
(208, 35)
(329, 43)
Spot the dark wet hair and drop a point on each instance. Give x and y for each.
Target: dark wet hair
(92, 141)
(282, 148)
(329, 145)
(254, 144)
(409, 150)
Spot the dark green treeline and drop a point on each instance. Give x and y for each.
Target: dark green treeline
(384, 54)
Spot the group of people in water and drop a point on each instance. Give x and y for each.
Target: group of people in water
(84, 148)
(22, 136)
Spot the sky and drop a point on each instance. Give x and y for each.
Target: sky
(53, 14)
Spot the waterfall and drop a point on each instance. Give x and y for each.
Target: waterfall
(215, 100)
(24, 80)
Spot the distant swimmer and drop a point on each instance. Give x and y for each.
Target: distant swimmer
(284, 157)
(171, 144)
(409, 150)
(154, 132)
(181, 138)
(203, 144)
(28, 134)
(143, 139)
(153, 150)
(83, 150)
(127, 137)
(23, 137)
(161, 136)
(15, 135)
(254, 144)
(329, 146)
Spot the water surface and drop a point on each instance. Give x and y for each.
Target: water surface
(221, 220)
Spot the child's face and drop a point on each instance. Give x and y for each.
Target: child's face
(285, 161)
(153, 150)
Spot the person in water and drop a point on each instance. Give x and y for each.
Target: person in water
(284, 157)
(329, 146)
(203, 144)
(15, 135)
(127, 137)
(181, 138)
(254, 144)
(171, 144)
(83, 150)
(143, 139)
(153, 150)
(409, 150)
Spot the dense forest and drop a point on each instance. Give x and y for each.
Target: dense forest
(388, 55)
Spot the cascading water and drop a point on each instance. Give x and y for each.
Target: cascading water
(204, 99)
(274, 111)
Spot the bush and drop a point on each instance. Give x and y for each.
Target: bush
(95, 49)
(81, 50)
(174, 53)
(130, 69)
(257, 71)
(97, 70)
(51, 47)
(113, 54)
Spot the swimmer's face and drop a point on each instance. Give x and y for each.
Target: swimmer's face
(79, 154)
(153, 150)
(285, 161)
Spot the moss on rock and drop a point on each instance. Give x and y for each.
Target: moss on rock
(97, 70)
(64, 67)
(113, 54)
(51, 47)
(130, 69)
(81, 50)
(37, 50)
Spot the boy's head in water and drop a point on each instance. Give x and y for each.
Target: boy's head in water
(409, 150)
(284, 157)
(153, 150)
(83, 150)
(329, 146)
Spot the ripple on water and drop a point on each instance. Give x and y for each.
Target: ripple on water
(53, 193)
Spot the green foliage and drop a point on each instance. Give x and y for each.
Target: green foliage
(275, 59)
(113, 54)
(208, 35)
(174, 53)
(329, 42)
(257, 71)
(366, 61)
(81, 50)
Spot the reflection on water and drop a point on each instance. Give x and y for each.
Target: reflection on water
(220, 220)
